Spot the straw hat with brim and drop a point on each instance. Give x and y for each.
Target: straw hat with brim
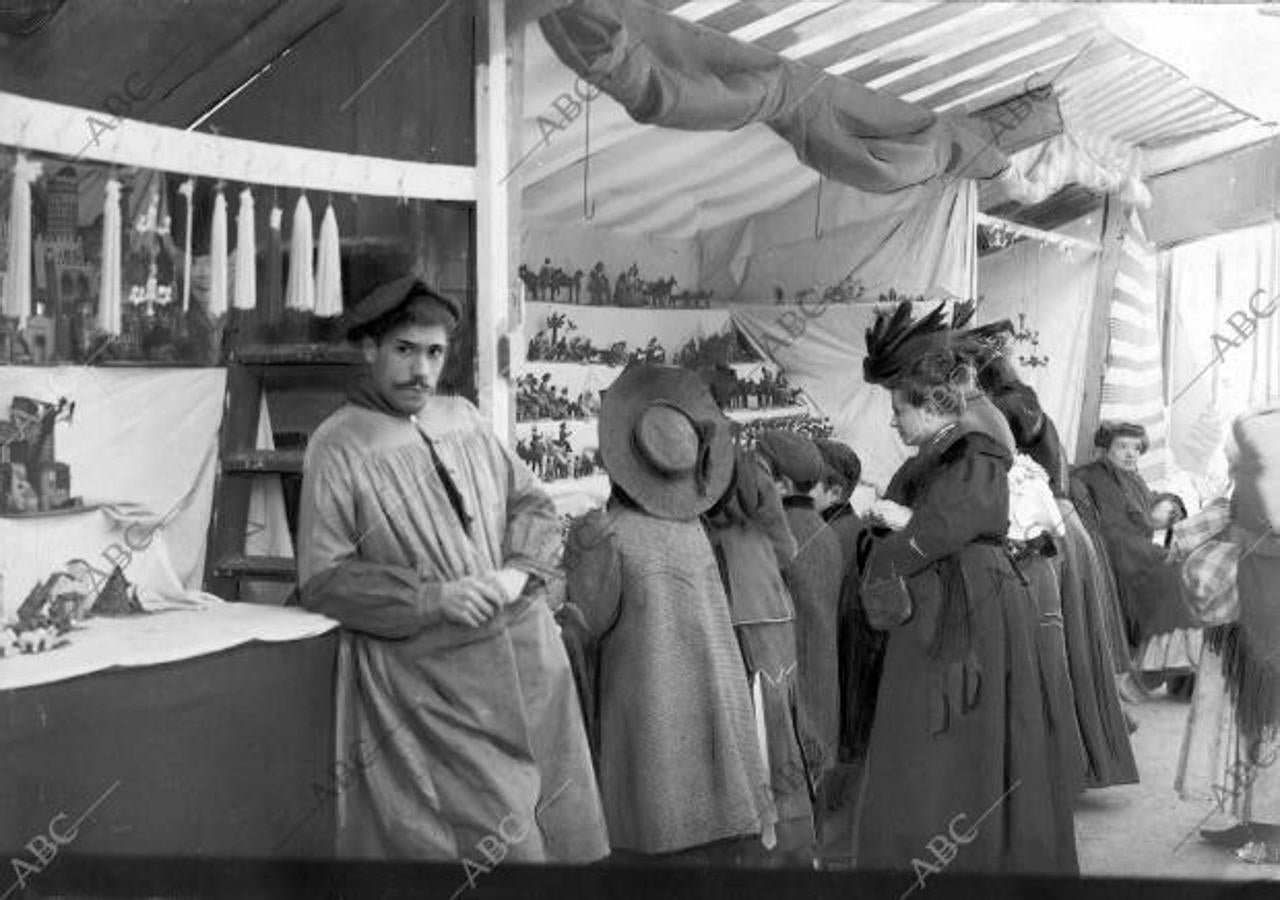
(664, 441)
(389, 297)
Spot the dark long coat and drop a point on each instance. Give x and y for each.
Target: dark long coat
(1116, 503)
(961, 739)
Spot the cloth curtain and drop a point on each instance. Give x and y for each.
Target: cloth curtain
(929, 249)
(1219, 370)
(163, 422)
(918, 241)
(671, 72)
(1098, 163)
(1053, 292)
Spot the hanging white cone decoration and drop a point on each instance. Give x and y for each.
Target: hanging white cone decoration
(187, 189)
(245, 295)
(112, 274)
(329, 268)
(17, 282)
(300, 293)
(218, 258)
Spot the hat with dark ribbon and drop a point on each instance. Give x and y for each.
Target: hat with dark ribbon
(664, 441)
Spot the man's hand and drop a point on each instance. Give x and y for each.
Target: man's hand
(510, 582)
(468, 601)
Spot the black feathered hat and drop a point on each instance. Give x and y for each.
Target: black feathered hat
(895, 342)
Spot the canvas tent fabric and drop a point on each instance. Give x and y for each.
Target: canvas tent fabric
(670, 72)
(1217, 370)
(917, 241)
(144, 439)
(1048, 295)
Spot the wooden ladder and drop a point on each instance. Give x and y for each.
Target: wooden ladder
(303, 384)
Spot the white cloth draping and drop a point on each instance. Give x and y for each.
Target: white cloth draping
(1102, 164)
(245, 295)
(916, 241)
(151, 640)
(109, 300)
(218, 258)
(1054, 294)
(1212, 284)
(139, 436)
(17, 281)
(300, 291)
(329, 268)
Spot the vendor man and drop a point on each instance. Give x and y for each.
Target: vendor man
(428, 540)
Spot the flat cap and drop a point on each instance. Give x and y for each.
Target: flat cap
(792, 455)
(389, 297)
(841, 459)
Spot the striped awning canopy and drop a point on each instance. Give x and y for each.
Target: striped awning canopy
(943, 56)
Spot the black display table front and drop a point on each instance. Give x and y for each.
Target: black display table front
(218, 755)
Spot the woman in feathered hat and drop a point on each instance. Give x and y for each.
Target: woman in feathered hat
(679, 763)
(961, 741)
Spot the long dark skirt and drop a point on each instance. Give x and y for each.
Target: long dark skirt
(1090, 614)
(964, 746)
(1066, 746)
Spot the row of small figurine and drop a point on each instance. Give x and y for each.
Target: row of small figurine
(810, 426)
(629, 289)
(539, 399)
(552, 459)
(580, 350)
(766, 393)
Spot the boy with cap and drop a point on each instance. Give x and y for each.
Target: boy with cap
(680, 766)
(428, 540)
(814, 578)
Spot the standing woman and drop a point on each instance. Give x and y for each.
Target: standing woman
(961, 737)
(1089, 608)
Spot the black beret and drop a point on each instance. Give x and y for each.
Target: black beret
(387, 298)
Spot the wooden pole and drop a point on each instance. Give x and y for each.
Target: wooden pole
(497, 204)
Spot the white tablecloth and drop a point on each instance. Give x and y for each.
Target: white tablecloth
(162, 637)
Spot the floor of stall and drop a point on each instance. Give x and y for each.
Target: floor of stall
(1136, 830)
